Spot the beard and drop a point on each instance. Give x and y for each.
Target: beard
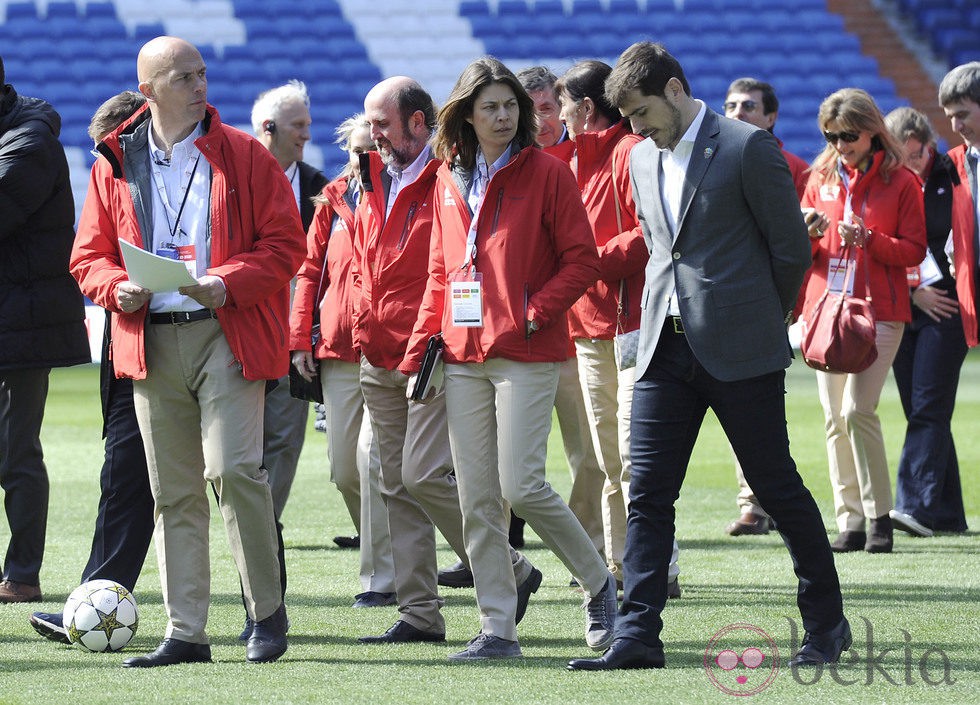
(398, 157)
(671, 134)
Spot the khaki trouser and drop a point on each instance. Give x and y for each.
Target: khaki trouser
(355, 467)
(419, 490)
(202, 421)
(855, 446)
(499, 419)
(585, 498)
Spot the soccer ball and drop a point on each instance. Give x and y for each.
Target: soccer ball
(100, 615)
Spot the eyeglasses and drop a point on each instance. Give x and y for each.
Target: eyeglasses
(749, 105)
(848, 137)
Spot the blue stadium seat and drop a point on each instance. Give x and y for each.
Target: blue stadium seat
(474, 8)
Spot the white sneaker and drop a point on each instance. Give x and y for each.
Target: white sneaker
(908, 524)
(600, 616)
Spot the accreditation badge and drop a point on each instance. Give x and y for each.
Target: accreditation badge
(466, 300)
(839, 278)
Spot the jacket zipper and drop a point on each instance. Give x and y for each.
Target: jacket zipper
(408, 224)
(496, 213)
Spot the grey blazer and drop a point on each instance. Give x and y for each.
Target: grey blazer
(740, 253)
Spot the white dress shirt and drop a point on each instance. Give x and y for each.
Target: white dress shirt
(400, 178)
(181, 189)
(673, 167)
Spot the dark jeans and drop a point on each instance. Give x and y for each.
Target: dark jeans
(670, 400)
(124, 524)
(23, 477)
(927, 372)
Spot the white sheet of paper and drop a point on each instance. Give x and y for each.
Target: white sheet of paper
(158, 274)
(929, 272)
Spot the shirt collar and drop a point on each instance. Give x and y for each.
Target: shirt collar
(686, 144)
(180, 150)
(488, 172)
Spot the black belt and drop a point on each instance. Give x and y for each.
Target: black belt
(673, 324)
(175, 318)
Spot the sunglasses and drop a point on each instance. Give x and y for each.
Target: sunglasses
(848, 137)
(749, 105)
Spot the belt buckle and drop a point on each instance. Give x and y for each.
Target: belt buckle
(678, 324)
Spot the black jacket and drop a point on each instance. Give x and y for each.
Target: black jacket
(42, 317)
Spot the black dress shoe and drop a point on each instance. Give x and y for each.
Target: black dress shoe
(374, 599)
(247, 629)
(819, 649)
(402, 632)
(456, 576)
(268, 640)
(524, 590)
(848, 541)
(624, 653)
(880, 535)
(170, 652)
(347, 541)
(50, 626)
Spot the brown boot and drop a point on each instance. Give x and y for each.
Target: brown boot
(848, 541)
(880, 535)
(748, 524)
(11, 591)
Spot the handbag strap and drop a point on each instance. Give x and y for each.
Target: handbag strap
(850, 253)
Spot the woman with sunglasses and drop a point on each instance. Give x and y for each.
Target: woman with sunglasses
(511, 251)
(871, 202)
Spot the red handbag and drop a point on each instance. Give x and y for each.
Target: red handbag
(839, 333)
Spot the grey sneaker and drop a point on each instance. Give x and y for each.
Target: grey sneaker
(909, 524)
(600, 616)
(486, 646)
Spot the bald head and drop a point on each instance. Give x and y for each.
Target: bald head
(402, 117)
(172, 77)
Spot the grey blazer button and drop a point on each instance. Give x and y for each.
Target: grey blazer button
(677, 255)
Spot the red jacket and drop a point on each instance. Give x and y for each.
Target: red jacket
(256, 246)
(622, 251)
(797, 167)
(336, 302)
(964, 246)
(534, 245)
(895, 215)
(390, 259)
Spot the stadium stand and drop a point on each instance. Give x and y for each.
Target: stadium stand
(77, 54)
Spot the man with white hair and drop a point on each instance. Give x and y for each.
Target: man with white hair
(281, 121)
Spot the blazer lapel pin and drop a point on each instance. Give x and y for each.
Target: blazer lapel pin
(708, 151)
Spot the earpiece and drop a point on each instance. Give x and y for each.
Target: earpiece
(270, 127)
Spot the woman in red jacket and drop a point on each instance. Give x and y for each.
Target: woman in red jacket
(324, 281)
(870, 201)
(511, 250)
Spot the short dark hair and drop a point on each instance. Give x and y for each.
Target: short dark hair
(962, 83)
(114, 112)
(412, 99)
(456, 137)
(538, 78)
(646, 67)
(587, 79)
(770, 103)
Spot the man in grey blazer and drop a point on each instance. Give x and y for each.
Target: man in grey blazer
(728, 251)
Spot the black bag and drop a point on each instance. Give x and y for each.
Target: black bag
(299, 388)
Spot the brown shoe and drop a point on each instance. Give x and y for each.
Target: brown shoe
(848, 541)
(11, 591)
(748, 524)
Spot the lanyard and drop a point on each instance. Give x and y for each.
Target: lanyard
(162, 189)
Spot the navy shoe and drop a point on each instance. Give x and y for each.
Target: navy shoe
(402, 632)
(50, 626)
(819, 649)
(456, 576)
(524, 590)
(374, 599)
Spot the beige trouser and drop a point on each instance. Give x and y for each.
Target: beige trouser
(855, 447)
(419, 489)
(355, 467)
(499, 419)
(585, 499)
(283, 432)
(201, 421)
(747, 503)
